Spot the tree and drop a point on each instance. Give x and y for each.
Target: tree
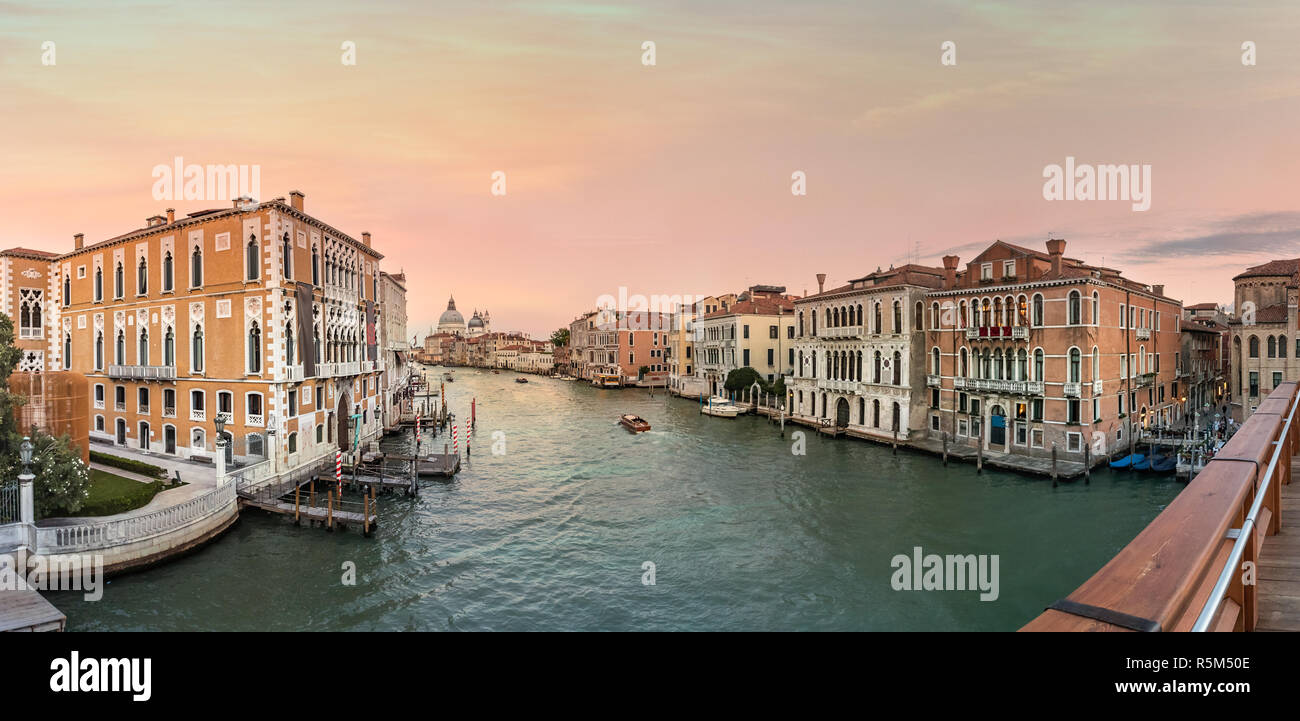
(743, 379)
(62, 482)
(560, 337)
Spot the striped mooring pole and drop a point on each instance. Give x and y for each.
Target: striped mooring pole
(455, 441)
(338, 470)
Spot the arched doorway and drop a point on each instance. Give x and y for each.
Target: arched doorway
(344, 412)
(144, 436)
(842, 413)
(169, 439)
(997, 427)
(121, 431)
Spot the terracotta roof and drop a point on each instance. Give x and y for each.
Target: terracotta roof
(29, 252)
(1273, 268)
(761, 306)
(1202, 306)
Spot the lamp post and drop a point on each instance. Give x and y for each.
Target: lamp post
(219, 420)
(26, 497)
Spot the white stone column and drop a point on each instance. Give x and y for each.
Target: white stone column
(221, 460)
(27, 508)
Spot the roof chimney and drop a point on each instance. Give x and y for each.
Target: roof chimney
(950, 271)
(1158, 289)
(153, 220)
(171, 216)
(295, 199)
(821, 282)
(365, 238)
(77, 241)
(1056, 248)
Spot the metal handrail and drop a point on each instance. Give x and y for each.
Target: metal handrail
(1246, 534)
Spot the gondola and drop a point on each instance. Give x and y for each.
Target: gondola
(1128, 460)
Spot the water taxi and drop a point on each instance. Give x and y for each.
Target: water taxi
(607, 380)
(635, 424)
(719, 407)
(521, 379)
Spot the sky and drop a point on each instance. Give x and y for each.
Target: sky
(673, 178)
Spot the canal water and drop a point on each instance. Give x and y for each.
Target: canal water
(552, 531)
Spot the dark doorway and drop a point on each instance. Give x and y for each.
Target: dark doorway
(997, 427)
(169, 439)
(121, 432)
(842, 413)
(344, 409)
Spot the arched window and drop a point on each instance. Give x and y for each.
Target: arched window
(898, 367)
(1038, 310)
(252, 259)
(1074, 308)
(1096, 309)
(1254, 346)
(254, 348)
(1038, 364)
(1272, 347)
(898, 317)
(99, 351)
(859, 375)
(1096, 363)
(875, 412)
(1022, 365)
(316, 338)
(99, 284)
(118, 282)
(876, 320)
(288, 342)
(1074, 365)
(196, 267)
(1281, 346)
(169, 348)
(286, 249)
(67, 351)
(144, 347)
(142, 278)
(67, 289)
(196, 349)
(934, 361)
(917, 316)
(934, 316)
(961, 314)
(964, 369)
(315, 266)
(168, 278)
(835, 318)
(120, 350)
(1022, 311)
(875, 377)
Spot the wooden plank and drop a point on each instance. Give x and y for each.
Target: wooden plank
(27, 610)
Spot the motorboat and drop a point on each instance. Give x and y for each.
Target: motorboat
(635, 424)
(521, 379)
(719, 407)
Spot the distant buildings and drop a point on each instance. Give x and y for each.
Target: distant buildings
(756, 331)
(1264, 328)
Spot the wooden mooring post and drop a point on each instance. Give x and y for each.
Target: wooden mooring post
(331, 510)
(945, 450)
(1053, 464)
(979, 457)
(296, 492)
(1087, 464)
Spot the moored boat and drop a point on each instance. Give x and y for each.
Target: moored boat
(633, 423)
(1128, 461)
(521, 379)
(719, 407)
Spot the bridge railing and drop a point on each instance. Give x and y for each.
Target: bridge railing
(1187, 569)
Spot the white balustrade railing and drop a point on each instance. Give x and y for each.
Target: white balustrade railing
(138, 372)
(91, 536)
(198, 414)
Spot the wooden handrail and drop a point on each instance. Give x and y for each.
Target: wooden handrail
(1168, 571)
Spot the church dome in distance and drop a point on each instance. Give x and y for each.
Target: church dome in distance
(451, 315)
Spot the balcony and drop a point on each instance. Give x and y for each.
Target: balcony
(198, 414)
(1071, 390)
(933, 381)
(849, 331)
(225, 416)
(254, 419)
(148, 373)
(169, 412)
(1144, 334)
(1146, 379)
(293, 373)
(995, 385)
(1096, 388)
(832, 385)
(120, 406)
(998, 332)
(99, 404)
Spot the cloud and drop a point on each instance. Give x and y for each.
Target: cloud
(1273, 234)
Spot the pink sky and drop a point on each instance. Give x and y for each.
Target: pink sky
(672, 179)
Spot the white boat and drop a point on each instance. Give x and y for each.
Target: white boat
(719, 407)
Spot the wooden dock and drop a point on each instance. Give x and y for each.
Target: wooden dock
(27, 610)
(431, 465)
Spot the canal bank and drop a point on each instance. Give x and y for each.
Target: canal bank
(553, 533)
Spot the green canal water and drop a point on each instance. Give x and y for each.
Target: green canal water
(552, 534)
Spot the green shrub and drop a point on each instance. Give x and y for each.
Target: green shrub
(128, 464)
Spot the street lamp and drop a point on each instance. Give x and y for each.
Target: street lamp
(25, 452)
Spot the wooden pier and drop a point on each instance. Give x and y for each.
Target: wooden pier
(26, 610)
(298, 497)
